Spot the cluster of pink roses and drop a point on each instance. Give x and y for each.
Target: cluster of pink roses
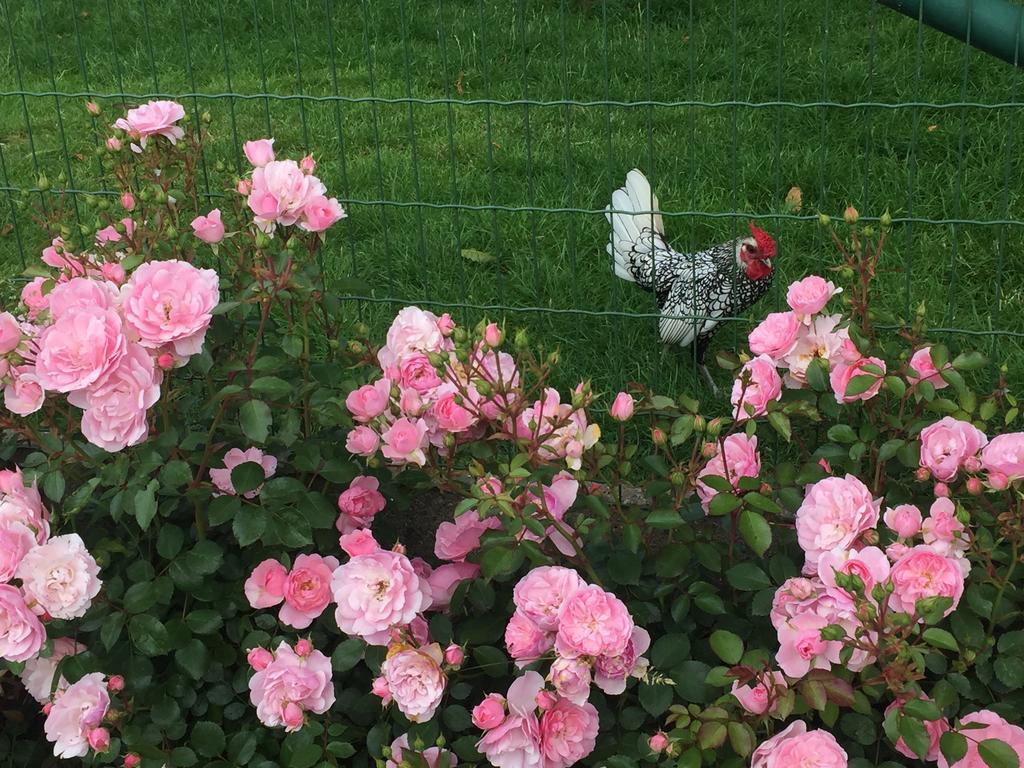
(41, 578)
(515, 736)
(288, 683)
(950, 446)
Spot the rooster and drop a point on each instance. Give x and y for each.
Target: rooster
(693, 290)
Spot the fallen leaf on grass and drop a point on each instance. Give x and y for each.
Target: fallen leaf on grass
(480, 257)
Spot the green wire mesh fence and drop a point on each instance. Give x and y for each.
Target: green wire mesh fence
(475, 143)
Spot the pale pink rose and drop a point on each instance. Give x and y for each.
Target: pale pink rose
(38, 673)
(410, 403)
(379, 688)
(243, 187)
(526, 642)
(923, 573)
(259, 152)
(739, 459)
(934, 728)
(405, 441)
(775, 336)
(869, 564)
(21, 633)
(810, 295)
(763, 386)
(113, 144)
(593, 623)
(60, 576)
(115, 407)
(413, 330)
(320, 212)
(376, 592)
(490, 712)
(922, 365)
(445, 579)
(622, 407)
(79, 349)
(357, 543)
(418, 373)
(22, 504)
(209, 228)
(170, 303)
(307, 164)
(993, 727)
(155, 118)
(568, 733)
(236, 456)
(291, 685)
(942, 531)
(24, 395)
(454, 656)
(571, 678)
(280, 193)
(58, 256)
(541, 594)
(307, 590)
(795, 596)
(833, 515)
(33, 298)
(79, 293)
(820, 339)
(905, 520)
(99, 739)
(449, 414)
(76, 712)
(259, 658)
(265, 586)
(516, 741)
(416, 681)
(796, 746)
(455, 540)
(359, 504)
(16, 539)
(433, 757)
(761, 694)
(10, 333)
(801, 648)
(1004, 456)
(947, 444)
(362, 441)
(842, 374)
(369, 401)
(611, 672)
(658, 743)
(499, 370)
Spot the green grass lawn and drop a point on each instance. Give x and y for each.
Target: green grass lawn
(406, 169)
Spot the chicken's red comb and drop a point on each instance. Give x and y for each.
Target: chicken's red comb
(765, 242)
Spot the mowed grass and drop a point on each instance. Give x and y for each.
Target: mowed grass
(426, 180)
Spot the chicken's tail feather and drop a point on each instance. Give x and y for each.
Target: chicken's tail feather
(637, 236)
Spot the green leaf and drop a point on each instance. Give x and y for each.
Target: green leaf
(208, 738)
(969, 361)
(492, 661)
(655, 698)
(169, 541)
(149, 635)
(742, 738)
(110, 632)
(940, 638)
(817, 374)
(780, 423)
(755, 531)
(457, 718)
(500, 560)
(670, 651)
(890, 448)
(255, 419)
(915, 736)
(724, 503)
(727, 646)
(896, 385)
(477, 257)
(272, 386)
(139, 598)
(995, 752)
(953, 746)
(842, 433)
(204, 621)
(249, 524)
(144, 504)
(347, 654)
(53, 485)
(1010, 671)
(711, 735)
(748, 577)
(247, 476)
(922, 709)
(860, 384)
(193, 658)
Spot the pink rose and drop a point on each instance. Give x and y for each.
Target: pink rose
(593, 623)
(10, 333)
(307, 590)
(413, 330)
(369, 401)
(155, 118)
(376, 592)
(454, 656)
(571, 678)
(810, 295)
(115, 407)
(259, 152)
(170, 302)
(775, 336)
(113, 144)
(33, 298)
(842, 374)
(38, 674)
(265, 586)
(23, 395)
(922, 573)
(761, 694)
(405, 441)
(99, 739)
(280, 193)
(947, 444)
(763, 386)
(942, 531)
(820, 339)
(993, 727)
(416, 681)
(16, 539)
(307, 164)
(291, 685)
(209, 228)
(113, 273)
(236, 456)
(526, 642)
(418, 373)
(922, 365)
(516, 741)
(60, 576)
(801, 648)
(905, 520)
(320, 213)
(658, 743)
(75, 713)
(739, 459)
(568, 733)
(869, 564)
(433, 757)
(455, 540)
(934, 728)
(833, 515)
(79, 349)
(611, 672)
(445, 579)
(541, 594)
(259, 658)
(622, 407)
(362, 441)
(80, 293)
(1005, 456)
(357, 543)
(21, 633)
(490, 712)
(22, 504)
(796, 746)
(359, 504)
(449, 414)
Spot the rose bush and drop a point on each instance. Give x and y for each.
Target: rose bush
(208, 459)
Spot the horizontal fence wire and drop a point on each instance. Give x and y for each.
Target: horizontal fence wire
(475, 144)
